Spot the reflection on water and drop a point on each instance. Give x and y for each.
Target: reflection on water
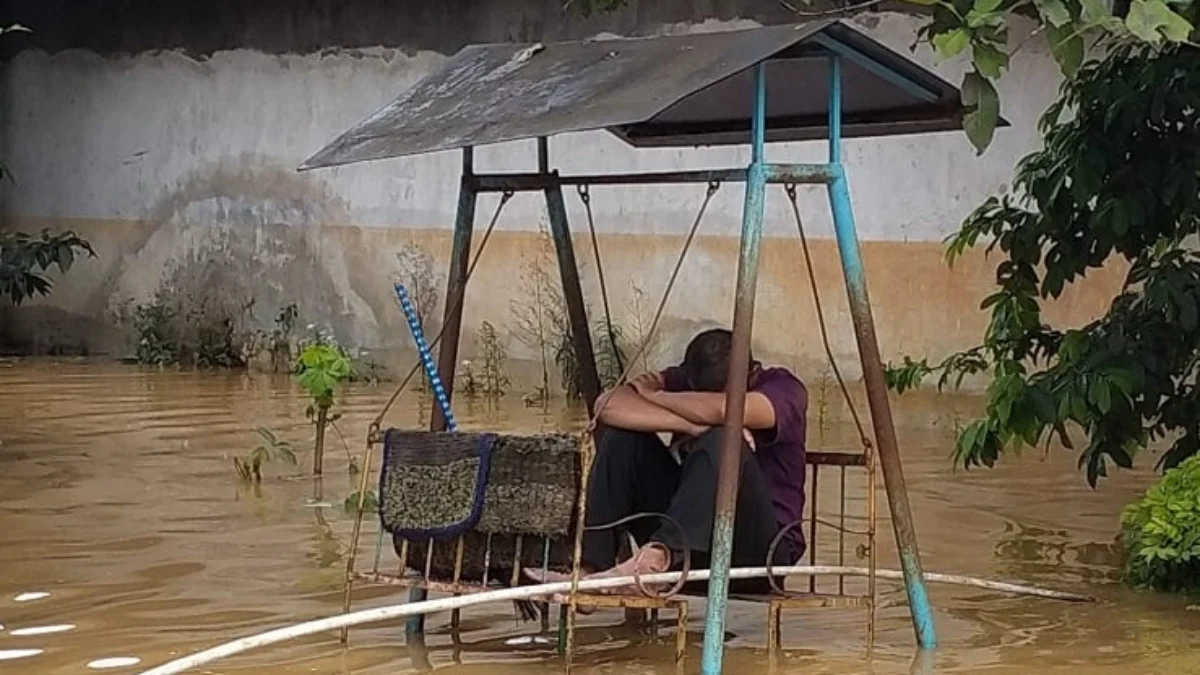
(126, 536)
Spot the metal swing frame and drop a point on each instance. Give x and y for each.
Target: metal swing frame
(666, 92)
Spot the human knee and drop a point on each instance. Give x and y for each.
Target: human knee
(614, 441)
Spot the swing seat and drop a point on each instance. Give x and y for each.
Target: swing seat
(457, 504)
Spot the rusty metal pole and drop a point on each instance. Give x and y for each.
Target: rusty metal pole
(568, 268)
(729, 473)
(456, 284)
(872, 365)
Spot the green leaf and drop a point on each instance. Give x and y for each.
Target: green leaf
(1100, 396)
(1187, 312)
(951, 43)
(1054, 12)
(1096, 13)
(1067, 46)
(1152, 20)
(989, 60)
(982, 102)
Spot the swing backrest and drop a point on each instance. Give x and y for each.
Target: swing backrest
(840, 514)
(458, 504)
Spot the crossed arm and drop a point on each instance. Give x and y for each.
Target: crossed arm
(643, 405)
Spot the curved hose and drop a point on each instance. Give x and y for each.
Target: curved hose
(543, 590)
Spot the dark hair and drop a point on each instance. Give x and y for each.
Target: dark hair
(706, 360)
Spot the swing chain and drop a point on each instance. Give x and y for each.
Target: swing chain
(790, 189)
(586, 197)
(713, 186)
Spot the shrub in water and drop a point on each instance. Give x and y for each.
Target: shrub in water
(1162, 532)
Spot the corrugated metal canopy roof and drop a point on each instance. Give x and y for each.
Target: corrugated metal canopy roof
(662, 91)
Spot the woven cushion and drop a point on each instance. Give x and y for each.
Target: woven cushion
(432, 485)
(435, 485)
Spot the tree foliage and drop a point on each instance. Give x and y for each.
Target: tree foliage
(1117, 179)
(981, 27)
(25, 261)
(1161, 533)
(320, 368)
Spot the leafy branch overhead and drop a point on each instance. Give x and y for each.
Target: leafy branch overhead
(981, 26)
(1118, 178)
(25, 261)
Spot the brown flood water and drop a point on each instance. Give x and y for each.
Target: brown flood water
(118, 499)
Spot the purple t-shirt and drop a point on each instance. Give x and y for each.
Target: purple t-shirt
(779, 451)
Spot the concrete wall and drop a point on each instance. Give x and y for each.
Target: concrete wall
(172, 149)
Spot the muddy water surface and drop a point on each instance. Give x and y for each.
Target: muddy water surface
(124, 533)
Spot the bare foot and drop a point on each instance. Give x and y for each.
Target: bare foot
(545, 576)
(551, 577)
(649, 559)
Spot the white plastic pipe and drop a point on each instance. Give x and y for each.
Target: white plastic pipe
(542, 590)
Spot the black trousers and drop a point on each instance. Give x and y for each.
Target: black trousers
(634, 472)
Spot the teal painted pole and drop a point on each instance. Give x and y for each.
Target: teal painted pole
(872, 365)
(735, 387)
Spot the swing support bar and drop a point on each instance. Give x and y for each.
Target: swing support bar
(834, 178)
(817, 174)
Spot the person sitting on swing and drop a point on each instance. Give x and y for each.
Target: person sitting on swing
(635, 472)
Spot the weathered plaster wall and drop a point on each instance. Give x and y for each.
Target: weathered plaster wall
(177, 164)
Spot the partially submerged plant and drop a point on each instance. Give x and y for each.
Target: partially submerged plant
(1161, 532)
(494, 380)
(640, 319)
(468, 380)
(321, 368)
(611, 349)
(539, 310)
(270, 449)
(370, 503)
(416, 272)
(154, 323)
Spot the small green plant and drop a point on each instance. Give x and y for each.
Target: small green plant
(609, 358)
(539, 311)
(640, 320)
(568, 365)
(493, 380)
(417, 275)
(270, 449)
(611, 352)
(215, 346)
(154, 324)
(370, 504)
(1161, 532)
(319, 370)
(366, 368)
(469, 382)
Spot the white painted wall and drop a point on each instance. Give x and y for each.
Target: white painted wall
(169, 153)
(104, 138)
